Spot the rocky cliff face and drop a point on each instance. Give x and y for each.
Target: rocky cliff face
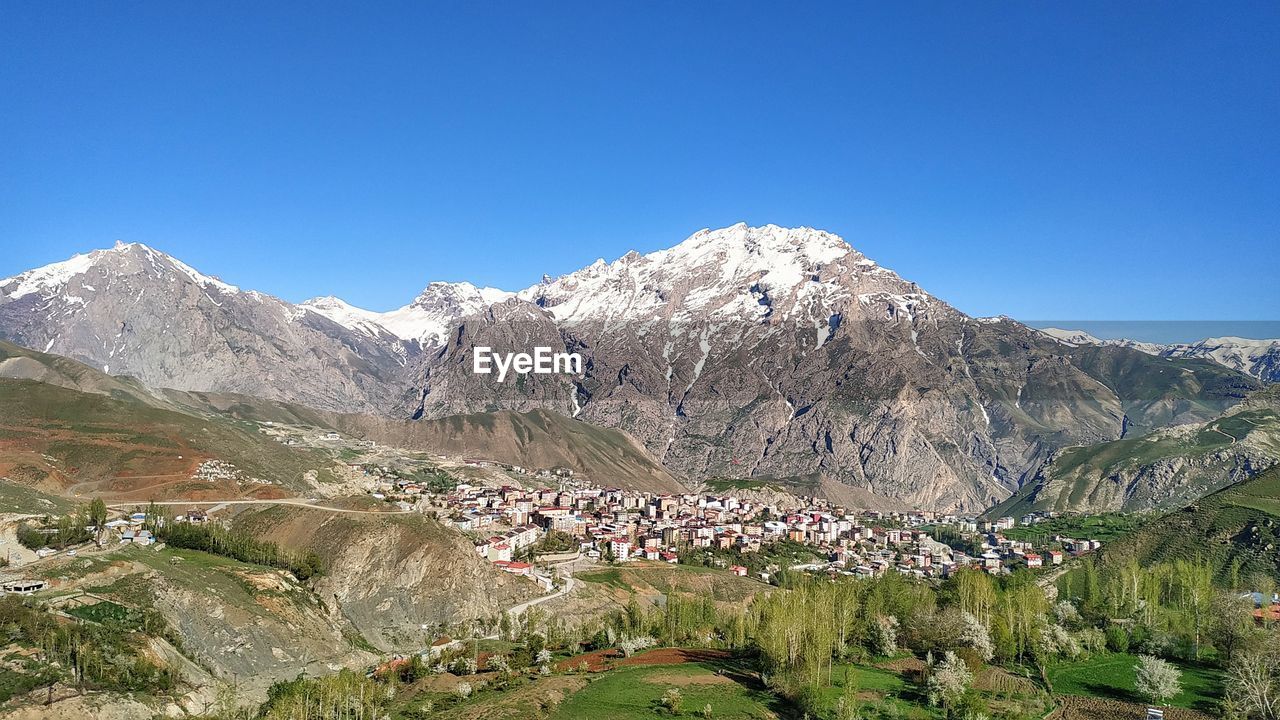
(780, 352)
(396, 579)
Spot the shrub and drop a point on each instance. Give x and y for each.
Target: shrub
(1092, 639)
(1117, 639)
(672, 700)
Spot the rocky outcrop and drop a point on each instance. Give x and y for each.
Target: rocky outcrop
(1163, 469)
(396, 579)
(536, 439)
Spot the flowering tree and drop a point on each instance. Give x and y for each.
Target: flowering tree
(887, 635)
(630, 645)
(1157, 679)
(948, 681)
(1253, 683)
(975, 635)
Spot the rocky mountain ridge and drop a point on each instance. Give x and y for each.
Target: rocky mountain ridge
(784, 352)
(739, 352)
(131, 310)
(1259, 358)
(1163, 469)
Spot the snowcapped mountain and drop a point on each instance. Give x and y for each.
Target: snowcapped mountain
(776, 267)
(132, 310)
(426, 320)
(784, 352)
(739, 352)
(1259, 358)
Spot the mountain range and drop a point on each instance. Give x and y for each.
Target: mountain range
(739, 352)
(1259, 358)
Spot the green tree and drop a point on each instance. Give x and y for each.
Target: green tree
(98, 516)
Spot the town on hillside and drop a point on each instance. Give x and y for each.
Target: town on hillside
(513, 526)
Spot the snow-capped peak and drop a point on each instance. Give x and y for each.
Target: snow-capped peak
(52, 278)
(462, 294)
(346, 315)
(49, 277)
(737, 269)
(1071, 337)
(426, 320)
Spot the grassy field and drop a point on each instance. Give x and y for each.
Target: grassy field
(1112, 676)
(15, 498)
(877, 689)
(653, 578)
(1105, 527)
(636, 692)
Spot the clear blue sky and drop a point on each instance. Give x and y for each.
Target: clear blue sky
(1044, 160)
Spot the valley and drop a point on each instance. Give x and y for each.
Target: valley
(639, 361)
(786, 483)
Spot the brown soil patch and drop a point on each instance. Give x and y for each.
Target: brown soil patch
(446, 682)
(544, 695)
(596, 661)
(998, 680)
(1071, 707)
(911, 667)
(602, 660)
(675, 656)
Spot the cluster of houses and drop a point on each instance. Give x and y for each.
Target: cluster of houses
(129, 530)
(621, 525)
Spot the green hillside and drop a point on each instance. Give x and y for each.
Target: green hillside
(1157, 391)
(1236, 529)
(1163, 469)
(69, 428)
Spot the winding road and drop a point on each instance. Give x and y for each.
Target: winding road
(283, 501)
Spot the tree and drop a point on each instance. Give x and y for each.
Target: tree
(1253, 681)
(1193, 591)
(886, 641)
(1232, 624)
(1117, 639)
(1157, 679)
(948, 680)
(630, 645)
(98, 516)
(847, 703)
(975, 635)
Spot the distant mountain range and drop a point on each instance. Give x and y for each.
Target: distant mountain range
(739, 352)
(1259, 358)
